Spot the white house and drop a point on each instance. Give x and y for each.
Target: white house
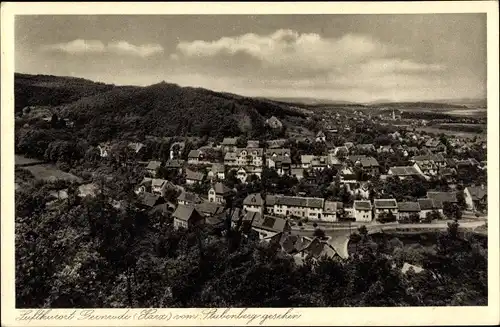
(476, 197)
(363, 210)
(254, 203)
(302, 207)
(385, 206)
(218, 193)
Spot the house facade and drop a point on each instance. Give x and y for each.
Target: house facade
(362, 210)
(302, 207)
(385, 206)
(254, 203)
(187, 217)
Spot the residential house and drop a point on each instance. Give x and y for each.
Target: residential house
(209, 209)
(403, 172)
(341, 151)
(443, 197)
(347, 176)
(476, 197)
(230, 159)
(435, 145)
(437, 159)
(428, 206)
(218, 193)
(268, 226)
(187, 217)
(242, 174)
(303, 207)
(369, 165)
(152, 167)
(274, 123)
(188, 198)
(306, 160)
(406, 209)
(277, 152)
(366, 147)
(334, 161)
(195, 157)
(254, 203)
(217, 171)
(176, 164)
(156, 186)
(176, 150)
(349, 145)
(253, 144)
(136, 147)
(319, 163)
(149, 200)
(330, 210)
(385, 149)
(385, 206)
(282, 164)
(193, 177)
(320, 137)
(269, 203)
(297, 172)
(278, 143)
(104, 149)
(362, 210)
(427, 168)
(229, 144)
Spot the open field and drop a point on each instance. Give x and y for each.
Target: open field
(435, 130)
(51, 173)
(23, 161)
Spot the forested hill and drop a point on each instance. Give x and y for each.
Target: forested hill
(48, 90)
(161, 109)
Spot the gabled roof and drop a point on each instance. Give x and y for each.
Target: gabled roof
(408, 207)
(153, 165)
(175, 163)
(385, 203)
(186, 213)
(194, 154)
(306, 158)
(277, 152)
(136, 146)
(430, 204)
(149, 199)
(253, 144)
(217, 168)
(443, 196)
(369, 162)
(209, 208)
(230, 156)
(221, 188)
(356, 157)
(253, 200)
(320, 134)
(229, 141)
(270, 200)
(362, 205)
(432, 157)
(331, 207)
(477, 192)
(295, 201)
(404, 171)
(189, 197)
(194, 175)
(270, 223)
(158, 182)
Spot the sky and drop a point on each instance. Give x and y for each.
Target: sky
(358, 58)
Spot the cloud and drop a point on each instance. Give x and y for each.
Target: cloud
(290, 60)
(287, 47)
(80, 47)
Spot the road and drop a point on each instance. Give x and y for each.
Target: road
(339, 237)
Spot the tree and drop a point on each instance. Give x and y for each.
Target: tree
(319, 233)
(452, 210)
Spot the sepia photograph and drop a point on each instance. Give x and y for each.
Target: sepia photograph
(251, 161)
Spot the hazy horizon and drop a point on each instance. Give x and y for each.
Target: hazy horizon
(347, 58)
